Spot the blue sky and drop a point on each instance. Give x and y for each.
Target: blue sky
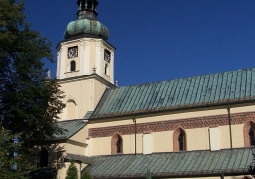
(161, 39)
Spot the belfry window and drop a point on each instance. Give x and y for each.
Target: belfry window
(44, 157)
(73, 66)
(106, 69)
(251, 136)
(107, 55)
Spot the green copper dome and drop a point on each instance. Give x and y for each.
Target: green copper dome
(86, 26)
(86, 22)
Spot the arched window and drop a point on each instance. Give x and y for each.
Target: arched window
(251, 136)
(73, 66)
(70, 109)
(179, 140)
(117, 144)
(44, 157)
(106, 69)
(248, 133)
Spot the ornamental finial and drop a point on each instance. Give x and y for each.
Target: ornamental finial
(87, 9)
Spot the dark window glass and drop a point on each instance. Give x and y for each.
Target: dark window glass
(181, 141)
(251, 135)
(119, 145)
(44, 157)
(73, 66)
(106, 69)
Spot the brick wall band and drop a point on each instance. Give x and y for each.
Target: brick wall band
(189, 123)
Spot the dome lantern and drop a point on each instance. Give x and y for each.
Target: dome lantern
(87, 9)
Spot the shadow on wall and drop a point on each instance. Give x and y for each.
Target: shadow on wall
(48, 159)
(56, 156)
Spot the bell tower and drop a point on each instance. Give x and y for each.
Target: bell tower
(85, 61)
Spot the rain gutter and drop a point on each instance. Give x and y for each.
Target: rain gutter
(191, 175)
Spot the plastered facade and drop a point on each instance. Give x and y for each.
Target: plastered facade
(90, 55)
(204, 128)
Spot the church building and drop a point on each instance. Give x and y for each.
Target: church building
(194, 127)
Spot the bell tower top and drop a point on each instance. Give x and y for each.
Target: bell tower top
(86, 24)
(85, 50)
(87, 9)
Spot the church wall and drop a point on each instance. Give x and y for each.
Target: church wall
(196, 132)
(78, 92)
(162, 141)
(99, 89)
(196, 139)
(80, 136)
(93, 55)
(81, 93)
(62, 171)
(100, 146)
(76, 59)
(237, 135)
(74, 149)
(173, 115)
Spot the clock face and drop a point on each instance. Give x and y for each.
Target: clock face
(107, 56)
(72, 52)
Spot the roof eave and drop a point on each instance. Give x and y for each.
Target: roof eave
(175, 108)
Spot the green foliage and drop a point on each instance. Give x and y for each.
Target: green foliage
(251, 167)
(148, 174)
(86, 175)
(72, 172)
(29, 102)
(14, 163)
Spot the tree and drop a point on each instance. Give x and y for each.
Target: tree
(148, 174)
(13, 160)
(72, 172)
(86, 175)
(251, 167)
(29, 102)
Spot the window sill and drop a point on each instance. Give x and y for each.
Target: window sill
(72, 72)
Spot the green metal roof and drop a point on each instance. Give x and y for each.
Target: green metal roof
(173, 165)
(204, 90)
(88, 114)
(86, 26)
(70, 127)
(78, 158)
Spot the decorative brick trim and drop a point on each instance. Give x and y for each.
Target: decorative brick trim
(147, 132)
(188, 123)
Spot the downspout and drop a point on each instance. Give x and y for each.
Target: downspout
(229, 123)
(222, 176)
(134, 120)
(80, 169)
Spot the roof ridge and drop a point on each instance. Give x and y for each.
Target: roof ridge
(71, 120)
(195, 76)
